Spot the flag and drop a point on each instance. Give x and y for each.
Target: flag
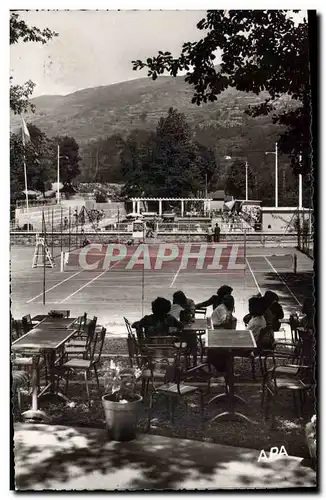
(25, 133)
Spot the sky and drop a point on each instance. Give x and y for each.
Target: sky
(96, 47)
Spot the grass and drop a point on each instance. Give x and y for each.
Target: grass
(288, 430)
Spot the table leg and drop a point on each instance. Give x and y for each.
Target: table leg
(34, 413)
(230, 396)
(50, 389)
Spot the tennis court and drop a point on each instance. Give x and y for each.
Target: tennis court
(116, 291)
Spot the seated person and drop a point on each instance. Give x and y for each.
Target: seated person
(160, 322)
(222, 315)
(276, 310)
(216, 300)
(257, 321)
(182, 308)
(308, 310)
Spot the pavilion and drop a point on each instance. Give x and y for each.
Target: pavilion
(137, 201)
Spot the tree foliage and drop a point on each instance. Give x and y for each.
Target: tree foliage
(21, 32)
(261, 51)
(41, 161)
(169, 163)
(69, 158)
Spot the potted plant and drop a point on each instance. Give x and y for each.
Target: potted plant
(311, 437)
(121, 401)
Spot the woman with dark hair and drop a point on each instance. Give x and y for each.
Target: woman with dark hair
(217, 299)
(307, 321)
(159, 322)
(273, 310)
(257, 321)
(182, 307)
(222, 315)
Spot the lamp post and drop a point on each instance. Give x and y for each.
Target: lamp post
(247, 183)
(276, 171)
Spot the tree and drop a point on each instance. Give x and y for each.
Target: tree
(235, 182)
(20, 31)
(69, 159)
(39, 167)
(261, 51)
(169, 163)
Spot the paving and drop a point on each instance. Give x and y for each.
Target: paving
(49, 457)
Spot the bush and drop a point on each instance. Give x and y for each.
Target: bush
(100, 197)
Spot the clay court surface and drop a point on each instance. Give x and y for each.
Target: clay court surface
(113, 293)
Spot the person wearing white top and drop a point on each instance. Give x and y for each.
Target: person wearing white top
(175, 311)
(222, 314)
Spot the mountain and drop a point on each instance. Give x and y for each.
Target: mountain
(135, 104)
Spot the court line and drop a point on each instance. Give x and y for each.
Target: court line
(175, 276)
(273, 268)
(54, 286)
(88, 283)
(253, 276)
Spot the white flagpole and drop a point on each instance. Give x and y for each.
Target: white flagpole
(300, 183)
(24, 164)
(58, 175)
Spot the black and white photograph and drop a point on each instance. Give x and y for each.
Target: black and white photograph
(163, 299)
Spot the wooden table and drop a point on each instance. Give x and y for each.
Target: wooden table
(197, 327)
(45, 339)
(230, 343)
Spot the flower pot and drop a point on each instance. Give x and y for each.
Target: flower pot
(121, 418)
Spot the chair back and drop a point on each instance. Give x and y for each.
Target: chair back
(161, 350)
(97, 347)
(27, 323)
(201, 312)
(128, 326)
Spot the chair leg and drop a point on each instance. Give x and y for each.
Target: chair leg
(87, 388)
(97, 382)
(202, 411)
(150, 409)
(19, 402)
(67, 381)
(253, 368)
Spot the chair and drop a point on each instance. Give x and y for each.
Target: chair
(296, 376)
(27, 324)
(59, 313)
(174, 387)
(201, 312)
(155, 353)
(87, 364)
(80, 343)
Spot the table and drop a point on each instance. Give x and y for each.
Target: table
(230, 343)
(199, 328)
(46, 338)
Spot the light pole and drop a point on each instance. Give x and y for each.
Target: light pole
(276, 171)
(58, 172)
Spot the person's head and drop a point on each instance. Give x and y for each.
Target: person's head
(179, 298)
(308, 307)
(270, 297)
(228, 301)
(256, 306)
(161, 306)
(224, 290)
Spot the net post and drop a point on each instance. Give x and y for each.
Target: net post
(62, 261)
(52, 221)
(245, 249)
